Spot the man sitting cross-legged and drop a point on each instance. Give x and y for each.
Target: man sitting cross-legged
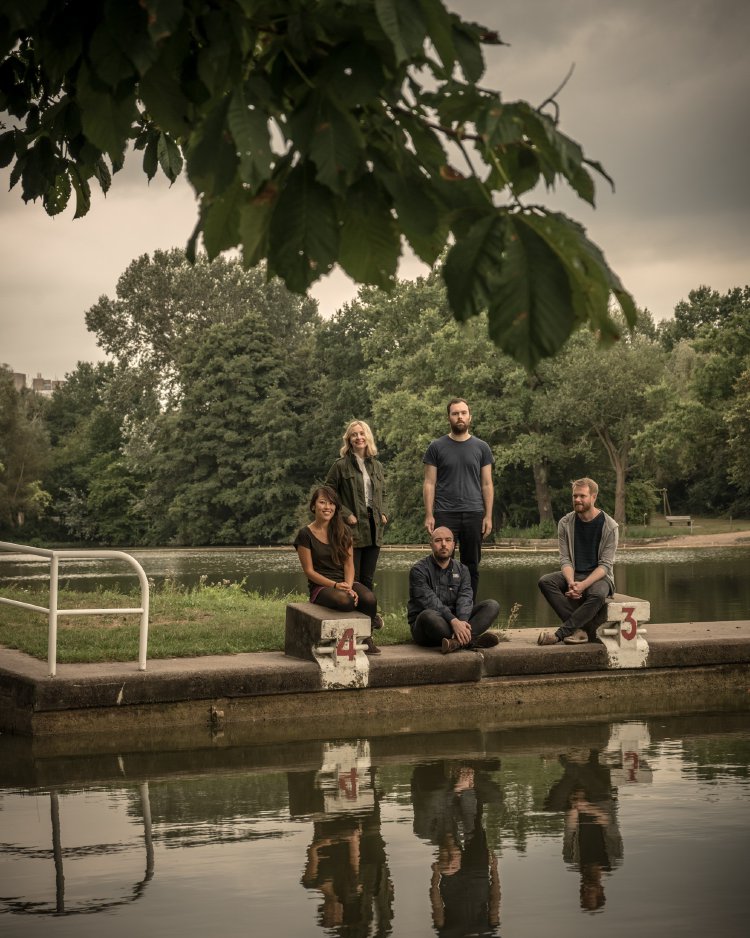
(579, 591)
(441, 611)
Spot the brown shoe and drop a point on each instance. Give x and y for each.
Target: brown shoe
(547, 638)
(579, 637)
(372, 648)
(377, 621)
(449, 645)
(487, 640)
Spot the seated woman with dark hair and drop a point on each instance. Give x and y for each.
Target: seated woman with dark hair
(324, 548)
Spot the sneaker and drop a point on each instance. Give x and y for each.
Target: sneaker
(449, 645)
(377, 621)
(579, 637)
(372, 648)
(487, 640)
(547, 638)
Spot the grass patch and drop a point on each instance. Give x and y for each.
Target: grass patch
(658, 527)
(219, 619)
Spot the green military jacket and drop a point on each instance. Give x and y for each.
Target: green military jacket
(344, 476)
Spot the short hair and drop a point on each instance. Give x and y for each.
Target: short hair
(370, 447)
(457, 400)
(589, 483)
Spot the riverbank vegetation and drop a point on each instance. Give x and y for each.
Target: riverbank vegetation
(224, 399)
(211, 619)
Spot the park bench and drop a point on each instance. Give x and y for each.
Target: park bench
(679, 519)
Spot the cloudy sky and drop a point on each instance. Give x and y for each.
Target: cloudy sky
(659, 95)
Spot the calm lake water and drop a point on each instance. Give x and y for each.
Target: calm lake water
(635, 828)
(683, 585)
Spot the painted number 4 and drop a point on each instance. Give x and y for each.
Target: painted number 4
(346, 646)
(629, 624)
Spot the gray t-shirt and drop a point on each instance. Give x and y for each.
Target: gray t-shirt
(459, 469)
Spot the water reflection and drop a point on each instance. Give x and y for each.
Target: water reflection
(592, 843)
(346, 861)
(449, 798)
(79, 861)
(394, 835)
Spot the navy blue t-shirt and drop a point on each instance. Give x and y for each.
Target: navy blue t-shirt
(588, 537)
(459, 467)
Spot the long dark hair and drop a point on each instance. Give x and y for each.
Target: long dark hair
(339, 535)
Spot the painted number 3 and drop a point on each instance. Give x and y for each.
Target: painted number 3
(346, 647)
(631, 631)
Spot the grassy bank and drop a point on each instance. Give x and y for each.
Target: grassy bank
(207, 620)
(656, 527)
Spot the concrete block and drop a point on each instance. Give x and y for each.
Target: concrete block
(622, 634)
(334, 640)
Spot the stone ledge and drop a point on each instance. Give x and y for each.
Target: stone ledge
(181, 691)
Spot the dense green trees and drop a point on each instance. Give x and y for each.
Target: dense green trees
(210, 425)
(24, 450)
(695, 446)
(315, 132)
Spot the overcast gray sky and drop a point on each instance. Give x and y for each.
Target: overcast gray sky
(659, 95)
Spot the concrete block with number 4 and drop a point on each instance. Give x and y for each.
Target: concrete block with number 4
(334, 640)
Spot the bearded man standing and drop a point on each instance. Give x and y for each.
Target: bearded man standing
(457, 490)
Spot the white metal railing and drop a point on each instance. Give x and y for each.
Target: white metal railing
(52, 611)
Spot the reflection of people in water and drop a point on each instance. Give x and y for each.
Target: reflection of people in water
(591, 841)
(448, 804)
(346, 862)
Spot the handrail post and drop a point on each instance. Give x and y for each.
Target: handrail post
(52, 630)
(143, 633)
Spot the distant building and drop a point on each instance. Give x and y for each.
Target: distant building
(39, 385)
(45, 386)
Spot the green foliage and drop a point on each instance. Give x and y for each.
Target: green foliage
(316, 132)
(210, 619)
(24, 452)
(217, 416)
(96, 492)
(227, 467)
(606, 396)
(737, 418)
(696, 443)
(643, 499)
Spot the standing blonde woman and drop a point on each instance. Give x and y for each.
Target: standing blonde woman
(358, 480)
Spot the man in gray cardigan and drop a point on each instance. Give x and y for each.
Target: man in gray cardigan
(579, 591)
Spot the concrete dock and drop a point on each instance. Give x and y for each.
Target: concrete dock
(690, 666)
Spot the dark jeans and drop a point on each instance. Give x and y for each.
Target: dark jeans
(466, 527)
(583, 614)
(366, 558)
(332, 598)
(430, 628)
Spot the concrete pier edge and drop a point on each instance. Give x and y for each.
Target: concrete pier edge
(691, 666)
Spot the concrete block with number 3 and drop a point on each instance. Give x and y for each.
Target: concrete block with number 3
(623, 634)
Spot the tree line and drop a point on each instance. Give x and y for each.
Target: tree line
(225, 395)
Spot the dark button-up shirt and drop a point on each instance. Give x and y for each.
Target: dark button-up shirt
(447, 591)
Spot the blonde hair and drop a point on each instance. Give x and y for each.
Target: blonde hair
(586, 483)
(370, 447)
